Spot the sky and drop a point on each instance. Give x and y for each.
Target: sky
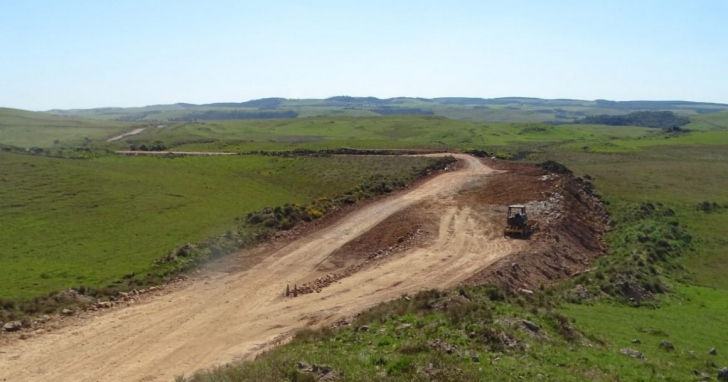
(88, 54)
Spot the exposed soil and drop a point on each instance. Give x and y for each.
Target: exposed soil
(224, 316)
(441, 232)
(571, 223)
(122, 136)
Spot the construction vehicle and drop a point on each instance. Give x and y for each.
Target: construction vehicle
(517, 221)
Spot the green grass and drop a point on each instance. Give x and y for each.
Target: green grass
(627, 145)
(89, 222)
(693, 315)
(679, 177)
(73, 222)
(398, 345)
(513, 109)
(710, 259)
(29, 129)
(695, 320)
(427, 132)
(716, 121)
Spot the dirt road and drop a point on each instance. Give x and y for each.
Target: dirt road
(122, 136)
(229, 316)
(179, 153)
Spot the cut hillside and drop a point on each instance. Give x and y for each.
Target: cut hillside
(570, 225)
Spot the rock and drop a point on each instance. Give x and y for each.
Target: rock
(632, 353)
(472, 335)
(713, 352)
(364, 328)
(525, 291)
(400, 239)
(67, 312)
(636, 341)
(723, 374)
(475, 359)
(12, 326)
(531, 326)
(437, 344)
(667, 345)
(702, 374)
(325, 369)
(403, 326)
(578, 294)
(304, 366)
(104, 304)
(123, 295)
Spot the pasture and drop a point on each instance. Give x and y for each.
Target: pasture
(30, 129)
(679, 175)
(89, 222)
(416, 132)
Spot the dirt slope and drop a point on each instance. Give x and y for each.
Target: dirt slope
(228, 316)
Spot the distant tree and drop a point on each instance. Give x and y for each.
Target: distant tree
(158, 146)
(656, 119)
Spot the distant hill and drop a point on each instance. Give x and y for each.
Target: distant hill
(507, 109)
(34, 129)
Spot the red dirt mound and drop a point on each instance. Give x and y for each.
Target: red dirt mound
(571, 225)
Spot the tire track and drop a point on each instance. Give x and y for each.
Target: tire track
(232, 316)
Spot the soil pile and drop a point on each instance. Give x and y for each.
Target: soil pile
(570, 220)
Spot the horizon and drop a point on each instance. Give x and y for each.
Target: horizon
(78, 55)
(380, 98)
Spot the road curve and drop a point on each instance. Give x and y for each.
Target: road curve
(229, 316)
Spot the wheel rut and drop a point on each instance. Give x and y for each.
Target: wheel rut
(231, 316)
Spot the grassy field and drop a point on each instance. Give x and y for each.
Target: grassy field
(511, 109)
(426, 132)
(29, 129)
(716, 121)
(89, 222)
(677, 175)
(360, 129)
(680, 176)
(485, 339)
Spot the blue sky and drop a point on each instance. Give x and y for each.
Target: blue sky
(83, 54)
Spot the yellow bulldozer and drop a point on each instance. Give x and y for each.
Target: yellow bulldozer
(517, 221)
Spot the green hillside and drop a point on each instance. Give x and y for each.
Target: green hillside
(510, 109)
(425, 132)
(32, 129)
(69, 222)
(478, 333)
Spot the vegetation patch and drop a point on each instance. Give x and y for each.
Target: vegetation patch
(99, 225)
(644, 248)
(656, 119)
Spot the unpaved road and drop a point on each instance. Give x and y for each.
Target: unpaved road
(229, 316)
(133, 132)
(122, 136)
(192, 153)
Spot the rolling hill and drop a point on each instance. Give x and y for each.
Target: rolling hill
(508, 109)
